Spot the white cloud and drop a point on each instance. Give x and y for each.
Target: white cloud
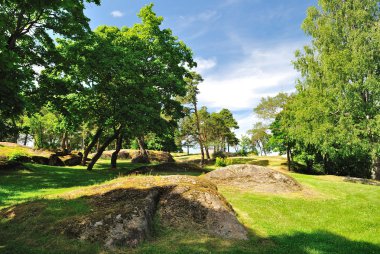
(203, 17)
(240, 86)
(264, 72)
(117, 14)
(204, 64)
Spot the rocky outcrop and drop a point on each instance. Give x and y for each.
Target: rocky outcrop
(124, 216)
(169, 167)
(255, 178)
(134, 155)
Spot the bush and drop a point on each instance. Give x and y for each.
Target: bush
(17, 156)
(242, 153)
(219, 154)
(222, 162)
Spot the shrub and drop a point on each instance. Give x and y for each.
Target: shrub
(222, 162)
(242, 153)
(219, 154)
(17, 156)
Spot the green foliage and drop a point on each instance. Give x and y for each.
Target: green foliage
(222, 162)
(17, 155)
(331, 122)
(25, 28)
(219, 154)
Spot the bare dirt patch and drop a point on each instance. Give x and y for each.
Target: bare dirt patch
(254, 178)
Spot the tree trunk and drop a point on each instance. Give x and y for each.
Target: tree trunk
(143, 152)
(188, 150)
(102, 148)
(64, 141)
(199, 132)
(288, 156)
(91, 145)
(207, 153)
(376, 169)
(228, 147)
(26, 139)
(119, 143)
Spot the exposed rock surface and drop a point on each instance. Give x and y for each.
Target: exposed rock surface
(134, 155)
(252, 177)
(169, 167)
(123, 216)
(361, 180)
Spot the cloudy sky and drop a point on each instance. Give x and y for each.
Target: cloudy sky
(244, 48)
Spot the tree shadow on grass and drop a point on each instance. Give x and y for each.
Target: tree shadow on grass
(318, 242)
(19, 185)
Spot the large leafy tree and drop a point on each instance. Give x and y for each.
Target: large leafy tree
(128, 79)
(26, 43)
(336, 110)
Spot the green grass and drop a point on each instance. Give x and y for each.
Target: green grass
(40, 180)
(332, 216)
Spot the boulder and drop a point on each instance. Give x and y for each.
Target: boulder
(40, 159)
(140, 159)
(169, 167)
(73, 159)
(255, 178)
(6, 164)
(122, 214)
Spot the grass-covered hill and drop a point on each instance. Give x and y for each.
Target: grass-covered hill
(327, 216)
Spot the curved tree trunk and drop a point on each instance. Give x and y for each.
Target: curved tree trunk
(143, 152)
(91, 145)
(119, 143)
(102, 148)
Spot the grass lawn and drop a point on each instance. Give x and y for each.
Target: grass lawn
(332, 216)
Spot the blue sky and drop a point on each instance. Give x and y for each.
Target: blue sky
(244, 48)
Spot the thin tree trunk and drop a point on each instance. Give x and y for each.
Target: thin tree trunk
(188, 150)
(94, 140)
(207, 153)
(64, 141)
(199, 133)
(288, 156)
(228, 147)
(119, 143)
(26, 139)
(102, 148)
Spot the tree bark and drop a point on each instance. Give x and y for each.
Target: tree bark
(188, 150)
(102, 148)
(119, 143)
(288, 156)
(91, 145)
(143, 152)
(207, 153)
(199, 132)
(26, 139)
(64, 141)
